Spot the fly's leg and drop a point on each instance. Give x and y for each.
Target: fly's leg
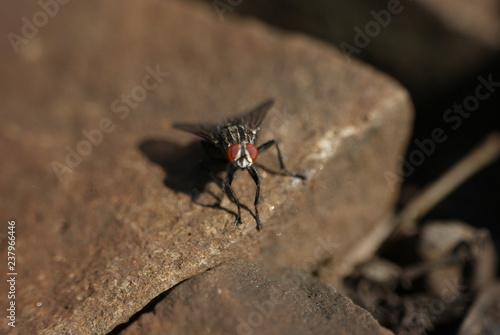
(231, 170)
(268, 144)
(256, 179)
(206, 163)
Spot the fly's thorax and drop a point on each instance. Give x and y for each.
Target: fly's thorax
(235, 133)
(242, 154)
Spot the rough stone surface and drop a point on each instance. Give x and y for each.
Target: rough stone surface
(484, 315)
(98, 242)
(241, 298)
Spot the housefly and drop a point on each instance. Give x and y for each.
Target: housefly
(236, 140)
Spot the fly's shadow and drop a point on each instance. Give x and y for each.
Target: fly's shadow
(189, 169)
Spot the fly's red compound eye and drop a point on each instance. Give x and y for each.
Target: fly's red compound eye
(252, 151)
(233, 152)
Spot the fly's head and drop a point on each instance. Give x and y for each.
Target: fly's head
(242, 154)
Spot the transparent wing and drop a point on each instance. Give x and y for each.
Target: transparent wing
(253, 119)
(204, 131)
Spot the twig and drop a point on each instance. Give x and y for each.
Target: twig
(484, 154)
(405, 222)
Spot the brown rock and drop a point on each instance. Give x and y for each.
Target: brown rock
(102, 235)
(240, 298)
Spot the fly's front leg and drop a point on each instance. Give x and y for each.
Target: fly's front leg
(206, 165)
(256, 179)
(231, 170)
(268, 144)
